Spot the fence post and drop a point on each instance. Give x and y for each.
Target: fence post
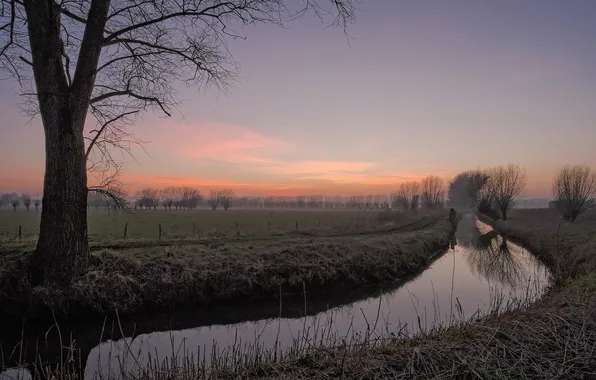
(125, 230)
(20, 232)
(296, 225)
(159, 238)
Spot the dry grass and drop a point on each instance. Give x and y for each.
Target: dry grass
(568, 248)
(106, 230)
(554, 338)
(135, 279)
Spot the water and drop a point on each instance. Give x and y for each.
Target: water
(484, 272)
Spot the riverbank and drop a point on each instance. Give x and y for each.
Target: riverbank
(133, 280)
(553, 338)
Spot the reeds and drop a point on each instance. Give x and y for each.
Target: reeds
(316, 339)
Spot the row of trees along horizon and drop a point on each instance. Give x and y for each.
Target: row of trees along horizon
(492, 191)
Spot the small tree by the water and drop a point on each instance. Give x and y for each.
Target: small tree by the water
(505, 185)
(574, 190)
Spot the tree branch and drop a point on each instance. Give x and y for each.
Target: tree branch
(149, 99)
(73, 16)
(89, 53)
(119, 201)
(101, 130)
(231, 8)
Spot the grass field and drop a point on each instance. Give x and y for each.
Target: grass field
(269, 250)
(105, 226)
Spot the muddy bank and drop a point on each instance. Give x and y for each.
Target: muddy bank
(143, 279)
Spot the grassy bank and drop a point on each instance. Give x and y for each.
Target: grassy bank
(136, 279)
(553, 339)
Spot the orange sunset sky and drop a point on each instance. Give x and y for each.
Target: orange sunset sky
(422, 88)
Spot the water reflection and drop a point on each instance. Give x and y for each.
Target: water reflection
(481, 270)
(496, 260)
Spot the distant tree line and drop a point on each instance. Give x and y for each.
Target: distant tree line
(492, 191)
(15, 200)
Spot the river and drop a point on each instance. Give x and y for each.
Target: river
(483, 272)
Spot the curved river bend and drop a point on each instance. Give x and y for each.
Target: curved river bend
(482, 273)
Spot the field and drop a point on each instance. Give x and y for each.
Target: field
(108, 226)
(205, 256)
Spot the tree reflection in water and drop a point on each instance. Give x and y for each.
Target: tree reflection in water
(492, 257)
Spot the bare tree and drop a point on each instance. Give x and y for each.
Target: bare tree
(26, 201)
(111, 59)
(415, 203)
(574, 190)
(225, 198)
(3, 199)
(37, 203)
(190, 198)
(466, 188)
(148, 198)
(486, 202)
(433, 192)
(213, 199)
(505, 185)
(407, 197)
(15, 203)
(167, 197)
(476, 188)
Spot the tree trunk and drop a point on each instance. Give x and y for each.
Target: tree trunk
(504, 213)
(62, 249)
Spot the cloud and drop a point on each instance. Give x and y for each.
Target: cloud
(253, 151)
(221, 142)
(305, 169)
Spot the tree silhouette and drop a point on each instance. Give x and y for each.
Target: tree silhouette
(111, 60)
(26, 201)
(574, 190)
(15, 203)
(505, 184)
(433, 192)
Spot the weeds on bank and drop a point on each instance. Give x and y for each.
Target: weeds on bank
(311, 349)
(133, 280)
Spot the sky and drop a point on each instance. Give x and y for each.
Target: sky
(421, 88)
